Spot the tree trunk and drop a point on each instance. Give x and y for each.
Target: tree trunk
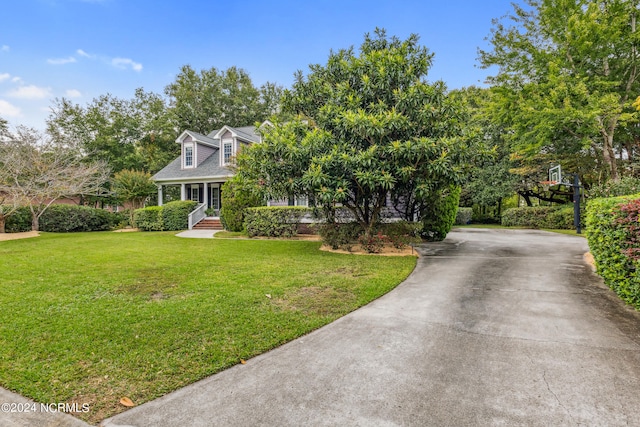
(3, 221)
(34, 223)
(609, 156)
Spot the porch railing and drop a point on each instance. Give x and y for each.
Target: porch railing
(197, 215)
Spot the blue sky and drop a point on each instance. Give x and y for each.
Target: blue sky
(81, 49)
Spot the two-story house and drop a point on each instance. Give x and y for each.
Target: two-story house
(204, 164)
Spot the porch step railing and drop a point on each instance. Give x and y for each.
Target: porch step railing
(197, 215)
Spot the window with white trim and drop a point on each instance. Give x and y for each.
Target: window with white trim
(188, 156)
(227, 151)
(195, 193)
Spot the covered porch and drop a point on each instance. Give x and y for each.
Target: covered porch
(208, 193)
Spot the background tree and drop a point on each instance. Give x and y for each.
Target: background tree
(127, 134)
(568, 73)
(207, 100)
(37, 171)
(133, 187)
(369, 124)
(491, 179)
(10, 201)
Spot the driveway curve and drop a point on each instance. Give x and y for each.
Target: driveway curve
(494, 327)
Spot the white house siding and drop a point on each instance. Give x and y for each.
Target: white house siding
(282, 202)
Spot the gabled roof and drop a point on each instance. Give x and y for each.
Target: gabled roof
(197, 137)
(210, 168)
(246, 133)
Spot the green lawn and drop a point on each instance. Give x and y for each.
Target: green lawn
(93, 317)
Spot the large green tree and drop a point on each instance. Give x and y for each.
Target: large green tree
(369, 124)
(207, 100)
(126, 133)
(567, 75)
(491, 178)
(132, 187)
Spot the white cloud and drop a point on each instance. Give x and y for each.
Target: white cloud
(126, 62)
(73, 93)
(85, 54)
(4, 76)
(9, 110)
(16, 79)
(4, 48)
(30, 92)
(61, 61)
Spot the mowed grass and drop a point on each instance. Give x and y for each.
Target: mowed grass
(94, 317)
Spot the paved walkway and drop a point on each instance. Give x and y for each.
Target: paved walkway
(494, 327)
(198, 234)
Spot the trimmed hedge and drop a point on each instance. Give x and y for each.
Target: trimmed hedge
(273, 221)
(624, 187)
(148, 219)
(19, 221)
(552, 217)
(74, 218)
(175, 215)
(613, 233)
(64, 219)
(463, 216)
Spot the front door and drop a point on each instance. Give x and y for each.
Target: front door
(215, 199)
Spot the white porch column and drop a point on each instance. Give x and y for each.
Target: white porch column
(205, 194)
(183, 192)
(160, 195)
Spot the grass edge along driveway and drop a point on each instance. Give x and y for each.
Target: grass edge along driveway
(89, 318)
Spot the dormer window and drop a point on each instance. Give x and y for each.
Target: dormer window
(188, 156)
(227, 151)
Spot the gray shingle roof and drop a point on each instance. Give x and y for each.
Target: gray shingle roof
(206, 139)
(210, 168)
(248, 133)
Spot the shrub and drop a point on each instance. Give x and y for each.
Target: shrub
(463, 216)
(273, 221)
(121, 219)
(175, 215)
(340, 235)
(401, 233)
(19, 221)
(148, 219)
(613, 234)
(484, 215)
(235, 199)
(554, 217)
(624, 187)
(440, 214)
(373, 243)
(73, 218)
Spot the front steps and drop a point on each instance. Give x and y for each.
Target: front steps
(209, 224)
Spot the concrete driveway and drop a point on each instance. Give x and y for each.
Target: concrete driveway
(494, 327)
